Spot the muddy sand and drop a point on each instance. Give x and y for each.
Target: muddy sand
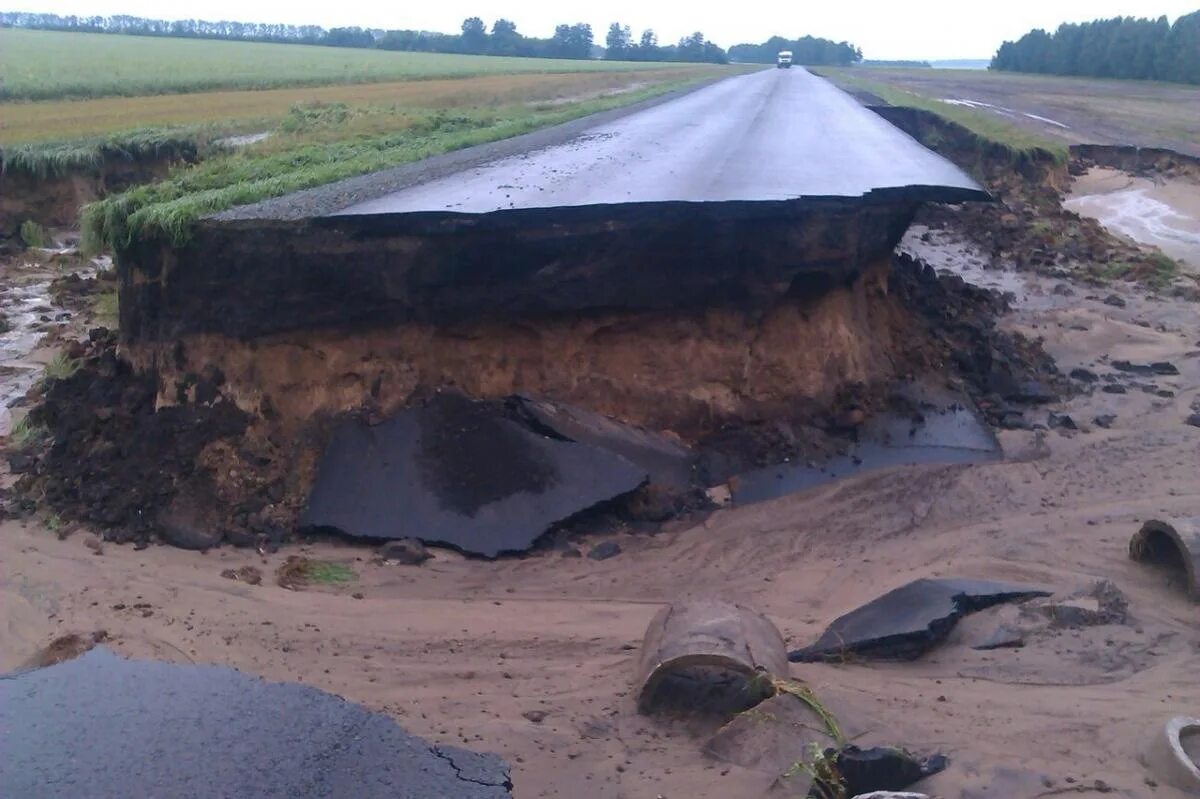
(533, 658)
(1163, 212)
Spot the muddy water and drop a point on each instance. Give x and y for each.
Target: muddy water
(1164, 213)
(18, 371)
(947, 431)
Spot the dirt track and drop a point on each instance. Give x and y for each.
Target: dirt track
(466, 651)
(1137, 113)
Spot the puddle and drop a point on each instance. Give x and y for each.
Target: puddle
(1163, 213)
(102, 726)
(950, 432)
(244, 140)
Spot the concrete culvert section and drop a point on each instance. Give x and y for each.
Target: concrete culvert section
(708, 657)
(1174, 546)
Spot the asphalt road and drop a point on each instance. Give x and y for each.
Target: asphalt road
(100, 726)
(768, 136)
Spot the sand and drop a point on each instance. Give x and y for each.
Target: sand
(1164, 212)
(458, 650)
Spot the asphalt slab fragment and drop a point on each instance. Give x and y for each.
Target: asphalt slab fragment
(905, 623)
(464, 473)
(101, 726)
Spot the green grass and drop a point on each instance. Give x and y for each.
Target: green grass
(327, 572)
(49, 159)
(107, 309)
(33, 234)
(25, 433)
(315, 146)
(61, 367)
(44, 65)
(982, 123)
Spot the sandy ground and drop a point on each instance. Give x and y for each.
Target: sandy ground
(460, 650)
(1162, 212)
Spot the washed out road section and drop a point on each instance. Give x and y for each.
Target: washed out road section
(773, 135)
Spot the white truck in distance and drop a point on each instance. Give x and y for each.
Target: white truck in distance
(785, 59)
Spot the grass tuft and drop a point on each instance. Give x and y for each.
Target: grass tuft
(25, 433)
(33, 234)
(61, 367)
(55, 158)
(298, 571)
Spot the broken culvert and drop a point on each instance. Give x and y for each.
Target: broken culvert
(1174, 545)
(709, 657)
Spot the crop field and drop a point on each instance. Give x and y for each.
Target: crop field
(1042, 110)
(45, 65)
(251, 111)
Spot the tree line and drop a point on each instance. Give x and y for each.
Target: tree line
(1123, 47)
(806, 50)
(569, 41)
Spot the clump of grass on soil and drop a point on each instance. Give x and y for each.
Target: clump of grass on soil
(33, 234)
(298, 571)
(106, 308)
(53, 158)
(26, 434)
(60, 367)
(316, 146)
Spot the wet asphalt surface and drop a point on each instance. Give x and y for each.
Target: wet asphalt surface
(100, 726)
(764, 137)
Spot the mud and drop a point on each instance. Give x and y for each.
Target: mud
(1030, 227)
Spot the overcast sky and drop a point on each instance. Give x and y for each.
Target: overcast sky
(924, 29)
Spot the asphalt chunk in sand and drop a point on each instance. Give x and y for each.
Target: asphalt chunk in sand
(102, 726)
(464, 473)
(907, 622)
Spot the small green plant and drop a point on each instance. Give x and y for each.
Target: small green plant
(107, 309)
(26, 433)
(324, 571)
(821, 768)
(309, 116)
(33, 234)
(298, 571)
(61, 367)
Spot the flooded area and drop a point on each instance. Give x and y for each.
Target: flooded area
(27, 314)
(1164, 212)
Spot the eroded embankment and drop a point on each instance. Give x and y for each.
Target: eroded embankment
(1028, 225)
(49, 186)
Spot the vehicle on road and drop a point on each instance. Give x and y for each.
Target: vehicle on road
(785, 59)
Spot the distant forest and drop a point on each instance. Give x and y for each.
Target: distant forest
(805, 50)
(568, 41)
(1125, 47)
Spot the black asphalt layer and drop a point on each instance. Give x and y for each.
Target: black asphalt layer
(469, 474)
(770, 136)
(905, 623)
(100, 726)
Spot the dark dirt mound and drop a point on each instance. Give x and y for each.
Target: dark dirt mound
(113, 460)
(1003, 372)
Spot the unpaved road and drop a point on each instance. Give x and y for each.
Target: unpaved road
(1078, 110)
(470, 653)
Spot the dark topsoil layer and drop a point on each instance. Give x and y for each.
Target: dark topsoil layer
(108, 459)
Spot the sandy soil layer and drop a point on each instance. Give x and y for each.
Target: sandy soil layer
(1162, 212)
(533, 658)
